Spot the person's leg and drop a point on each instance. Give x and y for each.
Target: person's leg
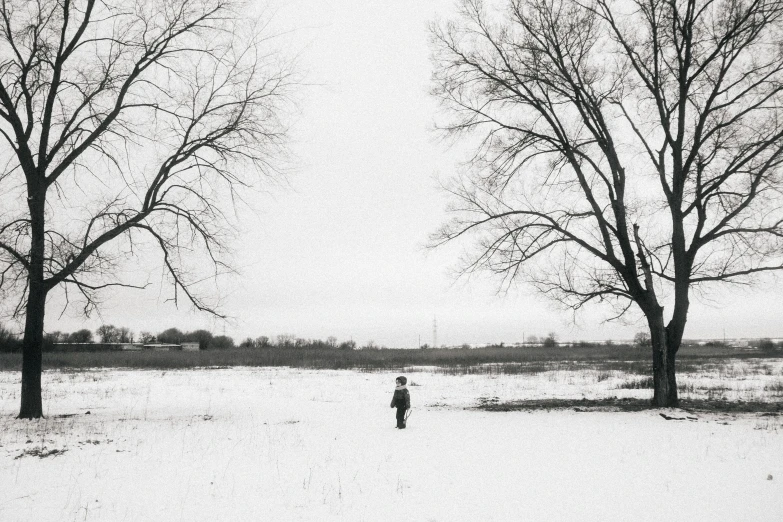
(401, 418)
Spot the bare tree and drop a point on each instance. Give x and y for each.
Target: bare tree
(125, 126)
(642, 339)
(630, 151)
(108, 333)
(79, 336)
(125, 335)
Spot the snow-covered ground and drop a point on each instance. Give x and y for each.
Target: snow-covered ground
(285, 444)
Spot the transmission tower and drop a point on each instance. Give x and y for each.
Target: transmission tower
(434, 332)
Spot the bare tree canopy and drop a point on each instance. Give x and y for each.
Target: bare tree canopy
(125, 126)
(629, 151)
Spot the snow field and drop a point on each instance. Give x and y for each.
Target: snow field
(288, 444)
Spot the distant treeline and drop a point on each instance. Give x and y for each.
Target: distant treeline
(108, 334)
(494, 359)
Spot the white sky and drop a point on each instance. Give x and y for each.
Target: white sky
(342, 252)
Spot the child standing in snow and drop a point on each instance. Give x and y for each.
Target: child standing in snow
(401, 400)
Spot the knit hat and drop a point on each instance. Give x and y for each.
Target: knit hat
(403, 380)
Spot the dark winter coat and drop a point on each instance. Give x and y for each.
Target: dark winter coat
(401, 399)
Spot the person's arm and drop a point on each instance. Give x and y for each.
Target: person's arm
(407, 400)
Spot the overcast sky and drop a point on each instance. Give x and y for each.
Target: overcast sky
(342, 251)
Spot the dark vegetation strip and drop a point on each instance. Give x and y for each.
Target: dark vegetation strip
(460, 361)
(616, 404)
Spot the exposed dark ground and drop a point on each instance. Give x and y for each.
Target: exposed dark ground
(615, 404)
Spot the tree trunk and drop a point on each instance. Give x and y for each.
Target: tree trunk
(32, 406)
(664, 378)
(32, 344)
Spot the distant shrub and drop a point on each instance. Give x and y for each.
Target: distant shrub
(80, 336)
(347, 345)
(550, 341)
(8, 341)
(637, 384)
(766, 345)
(775, 387)
(171, 336)
(642, 340)
(603, 376)
(222, 342)
(285, 340)
(202, 337)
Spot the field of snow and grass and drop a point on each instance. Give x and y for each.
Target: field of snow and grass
(290, 444)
